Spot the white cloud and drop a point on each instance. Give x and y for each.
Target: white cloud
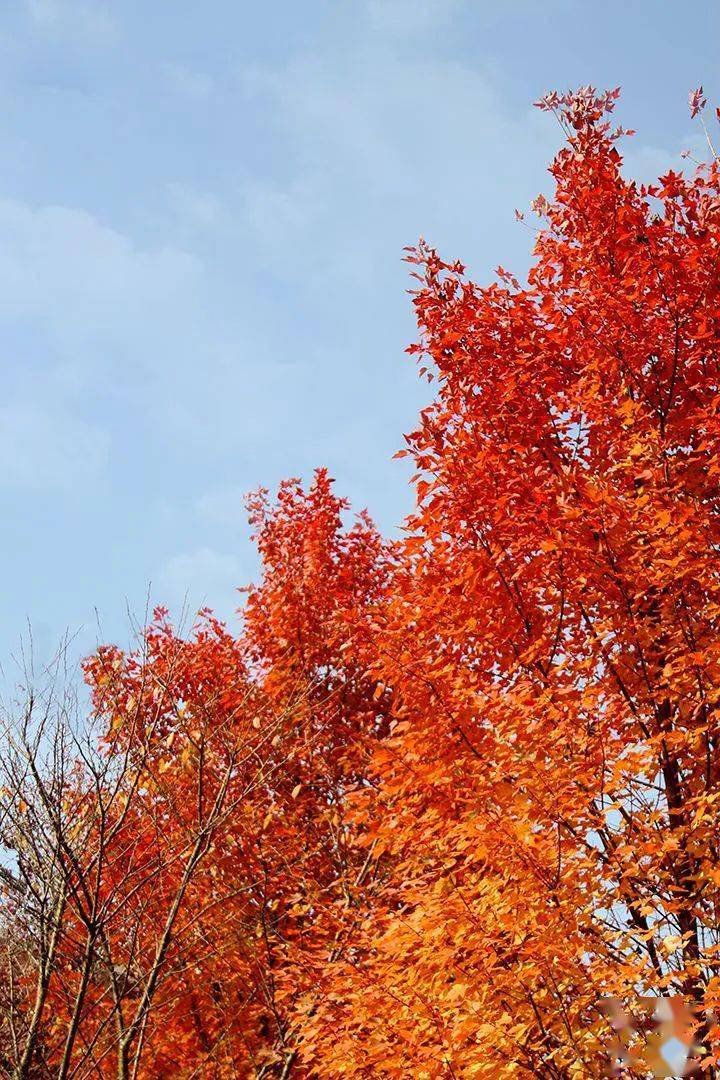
(410, 16)
(646, 163)
(84, 281)
(194, 209)
(73, 18)
(100, 316)
(224, 507)
(385, 145)
(44, 448)
(194, 85)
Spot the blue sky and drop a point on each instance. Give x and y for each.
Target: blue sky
(202, 215)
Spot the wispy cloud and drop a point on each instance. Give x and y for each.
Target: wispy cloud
(90, 22)
(193, 209)
(188, 83)
(646, 162)
(81, 279)
(224, 507)
(382, 145)
(45, 448)
(410, 16)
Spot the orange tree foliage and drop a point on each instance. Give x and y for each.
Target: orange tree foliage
(549, 794)
(293, 701)
(489, 772)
